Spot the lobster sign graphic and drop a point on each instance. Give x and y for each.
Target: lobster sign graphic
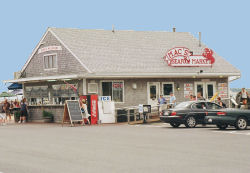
(183, 57)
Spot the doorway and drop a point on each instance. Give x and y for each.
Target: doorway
(207, 89)
(153, 89)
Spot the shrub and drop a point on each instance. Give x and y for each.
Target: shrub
(48, 115)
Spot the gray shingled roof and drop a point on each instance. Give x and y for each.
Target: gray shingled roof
(134, 51)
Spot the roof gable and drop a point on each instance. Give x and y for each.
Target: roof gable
(41, 43)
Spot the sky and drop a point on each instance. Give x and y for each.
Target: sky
(225, 25)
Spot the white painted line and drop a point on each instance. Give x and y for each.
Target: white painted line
(233, 132)
(150, 126)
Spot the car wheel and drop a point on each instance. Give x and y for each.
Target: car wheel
(174, 124)
(222, 126)
(190, 122)
(241, 123)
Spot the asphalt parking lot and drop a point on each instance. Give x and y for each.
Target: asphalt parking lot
(156, 147)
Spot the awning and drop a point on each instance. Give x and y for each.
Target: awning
(15, 86)
(43, 78)
(232, 76)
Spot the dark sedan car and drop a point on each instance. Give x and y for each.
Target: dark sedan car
(239, 118)
(190, 113)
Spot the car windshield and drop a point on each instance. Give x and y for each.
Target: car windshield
(183, 105)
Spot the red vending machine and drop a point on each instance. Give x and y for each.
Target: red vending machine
(92, 104)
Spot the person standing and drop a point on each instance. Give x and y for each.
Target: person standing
(84, 110)
(221, 103)
(244, 96)
(172, 100)
(16, 104)
(24, 111)
(2, 115)
(6, 108)
(161, 102)
(200, 97)
(191, 97)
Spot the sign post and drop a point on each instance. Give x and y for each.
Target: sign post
(146, 109)
(72, 112)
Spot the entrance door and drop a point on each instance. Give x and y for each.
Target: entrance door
(207, 89)
(210, 89)
(153, 92)
(199, 88)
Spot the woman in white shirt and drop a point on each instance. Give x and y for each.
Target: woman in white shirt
(244, 96)
(84, 110)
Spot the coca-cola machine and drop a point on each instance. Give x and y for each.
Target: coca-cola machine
(92, 104)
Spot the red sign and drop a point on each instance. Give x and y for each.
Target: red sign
(94, 109)
(117, 85)
(49, 48)
(183, 57)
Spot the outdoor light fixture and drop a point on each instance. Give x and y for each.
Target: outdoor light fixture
(178, 86)
(51, 80)
(134, 85)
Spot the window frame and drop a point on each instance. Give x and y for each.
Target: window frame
(192, 106)
(56, 62)
(162, 85)
(38, 97)
(220, 107)
(123, 92)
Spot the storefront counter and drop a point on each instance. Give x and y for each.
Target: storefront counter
(36, 112)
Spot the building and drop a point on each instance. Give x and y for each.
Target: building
(133, 67)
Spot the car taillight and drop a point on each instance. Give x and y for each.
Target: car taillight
(173, 113)
(221, 113)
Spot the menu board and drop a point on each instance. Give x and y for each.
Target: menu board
(188, 89)
(223, 90)
(72, 112)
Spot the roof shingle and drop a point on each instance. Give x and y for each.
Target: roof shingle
(134, 51)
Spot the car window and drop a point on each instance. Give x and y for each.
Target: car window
(182, 105)
(200, 105)
(213, 106)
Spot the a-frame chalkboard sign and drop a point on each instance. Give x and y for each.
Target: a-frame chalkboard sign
(72, 112)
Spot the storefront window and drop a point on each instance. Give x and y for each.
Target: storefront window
(63, 92)
(113, 89)
(37, 95)
(167, 88)
(118, 91)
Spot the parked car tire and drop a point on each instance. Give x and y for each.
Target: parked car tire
(241, 123)
(174, 124)
(222, 126)
(190, 122)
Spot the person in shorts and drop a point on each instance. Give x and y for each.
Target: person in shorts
(24, 111)
(6, 108)
(84, 110)
(2, 115)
